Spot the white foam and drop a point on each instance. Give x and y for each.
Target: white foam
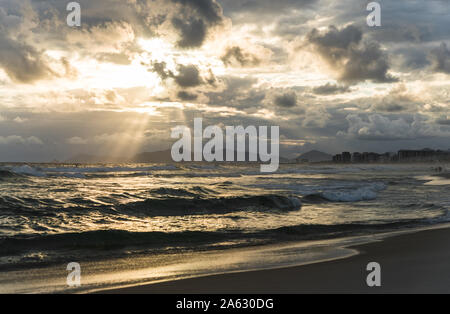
(361, 194)
(27, 170)
(108, 169)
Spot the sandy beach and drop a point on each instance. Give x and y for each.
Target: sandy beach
(410, 263)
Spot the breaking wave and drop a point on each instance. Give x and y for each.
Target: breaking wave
(114, 242)
(197, 205)
(349, 195)
(83, 172)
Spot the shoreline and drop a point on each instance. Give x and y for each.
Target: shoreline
(412, 261)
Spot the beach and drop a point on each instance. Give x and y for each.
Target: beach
(410, 263)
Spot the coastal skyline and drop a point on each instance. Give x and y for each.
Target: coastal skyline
(128, 74)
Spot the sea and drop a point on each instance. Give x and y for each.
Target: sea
(153, 222)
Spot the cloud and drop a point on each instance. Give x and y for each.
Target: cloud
(398, 99)
(76, 140)
(194, 20)
(117, 58)
(19, 119)
(160, 68)
(110, 28)
(237, 55)
(210, 10)
(444, 121)
(23, 63)
(440, 59)
(380, 127)
(16, 139)
(192, 32)
(21, 59)
(188, 76)
(286, 100)
(353, 59)
(265, 7)
(183, 95)
(331, 89)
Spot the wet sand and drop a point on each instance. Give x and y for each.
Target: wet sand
(410, 263)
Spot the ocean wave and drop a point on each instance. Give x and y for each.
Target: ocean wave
(316, 231)
(7, 174)
(164, 202)
(109, 169)
(195, 191)
(365, 193)
(108, 240)
(29, 171)
(199, 205)
(84, 172)
(105, 240)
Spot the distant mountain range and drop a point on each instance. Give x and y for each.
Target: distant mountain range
(145, 157)
(314, 156)
(89, 159)
(164, 156)
(159, 157)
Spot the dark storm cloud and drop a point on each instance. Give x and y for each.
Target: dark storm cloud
(440, 59)
(443, 121)
(22, 62)
(259, 7)
(331, 89)
(210, 10)
(189, 76)
(160, 69)
(236, 54)
(355, 60)
(192, 32)
(186, 96)
(389, 107)
(403, 32)
(195, 19)
(286, 100)
(336, 38)
(410, 57)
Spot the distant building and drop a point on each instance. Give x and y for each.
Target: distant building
(356, 157)
(337, 158)
(346, 157)
(424, 155)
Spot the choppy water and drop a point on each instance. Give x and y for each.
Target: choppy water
(55, 213)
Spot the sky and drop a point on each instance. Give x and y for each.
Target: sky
(134, 69)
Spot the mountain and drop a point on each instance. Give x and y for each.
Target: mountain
(91, 159)
(163, 156)
(315, 156)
